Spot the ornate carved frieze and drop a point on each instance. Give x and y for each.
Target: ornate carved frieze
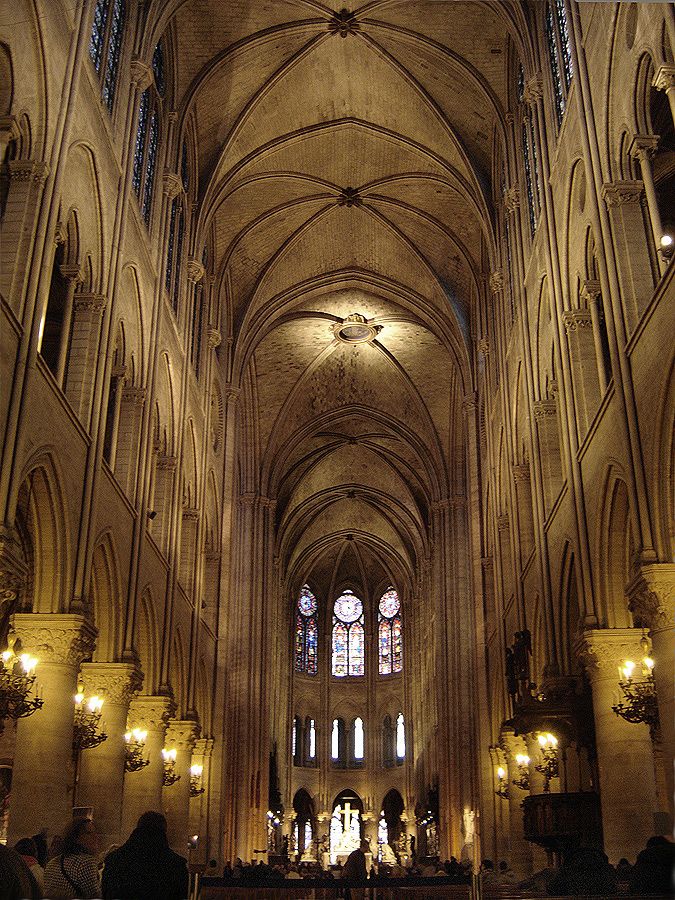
(214, 337)
(651, 596)
(617, 193)
(151, 713)
(576, 319)
(512, 199)
(28, 170)
(544, 409)
(602, 651)
(116, 682)
(90, 302)
(483, 346)
(172, 184)
(496, 281)
(534, 89)
(182, 734)
(195, 270)
(664, 80)
(55, 637)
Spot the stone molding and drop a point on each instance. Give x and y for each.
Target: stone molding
(576, 319)
(214, 337)
(9, 128)
(28, 170)
(664, 80)
(13, 568)
(534, 89)
(343, 23)
(521, 474)
(496, 281)
(457, 501)
(512, 199)
(651, 594)
(591, 290)
(643, 146)
(544, 409)
(470, 401)
(616, 193)
(181, 734)
(483, 346)
(203, 748)
(603, 651)
(90, 302)
(195, 270)
(141, 73)
(117, 683)
(171, 184)
(134, 395)
(72, 272)
(59, 638)
(151, 713)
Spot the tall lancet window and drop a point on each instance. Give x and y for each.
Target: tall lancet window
(147, 138)
(105, 45)
(348, 636)
(530, 158)
(400, 737)
(390, 633)
(559, 54)
(306, 632)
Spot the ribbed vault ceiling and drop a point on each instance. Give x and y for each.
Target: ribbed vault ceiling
(344, 165)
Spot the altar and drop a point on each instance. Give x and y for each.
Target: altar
(345, 833)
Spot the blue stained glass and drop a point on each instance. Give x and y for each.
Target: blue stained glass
(348, 607)
(170, 244)
(97, 39)
(158, 68)
(520, 84)
(535, 162)
(555, 66)
(299, 646)
(340, 650)
(564, 41)
(150, 179)
(356, 649)
(389, 603)
(179, 257)
(385, 647)
(397, 640)
(306, 601)
(139, 150)
(114, 50)
(184, 175)
(311, 641)
(528, 180)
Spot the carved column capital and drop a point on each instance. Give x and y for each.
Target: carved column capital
(151, 713)
(470, 402)
(483, 346)
(576, 319)
(214, 337)
(521, 473)
(603, 651)
(195, 270)
(590, 290)
(512, 199)
(503, 522)
(167, 463)
(72, 273)
(171, 184)
(651, 596)
(617, 193)
(135, 395)
(28, 170)
(116, 682)
(496, 281)
(544, 409)
(141, 73)
(9, 128)
(60, 638)
(181, 734)
(643, 146)
(191, 513)
(90, 302)
(231, 395)
(534, 89)
(664, 80)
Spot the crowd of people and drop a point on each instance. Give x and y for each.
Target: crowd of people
(145, 868)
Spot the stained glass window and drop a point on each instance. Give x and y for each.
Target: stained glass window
(158, 68)
(150, 162)
(105, 45)
(179, 256)
(390, 635)
(564, 36)
(306, 633)
(184, 173)
(528, 178)
(554, 60)
(400, 736)
(171, 243)
(359, 739)
(141, 132)
(348, 657)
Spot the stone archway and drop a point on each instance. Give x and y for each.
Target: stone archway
(346, 825)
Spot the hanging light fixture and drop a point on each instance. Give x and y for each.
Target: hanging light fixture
(17, 678)
(522, 779)
(134, 748)
(639, 703)
(548, 767)
(169, 775)
(196, 787)
(86, 722)
(502, 789)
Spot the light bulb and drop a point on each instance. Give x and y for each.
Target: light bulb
(501, 773)
(196, 770)
(648, 663)
(7, 656)
(542, 740)
(666, 241)
(127, 737)
(79, 698)
(28, 662)
(628, 667)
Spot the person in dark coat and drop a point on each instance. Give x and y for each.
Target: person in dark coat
(355, 867)
(585, 871)
(653, 869)
(146, 868)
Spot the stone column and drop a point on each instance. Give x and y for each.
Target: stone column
(13, 573)
(521, 479)
(642, 148)
(664, 80)
(624, 750)
(633, 264)
(128, 436)
(519, 850)
(165, 472)
(579, 327)
(180, 736)
(546, 421)
(652, 600)
(101, 783)
(22, 204)
(198, 819)
(83, 352)
(143, 789)
(73, 276)
(42, 778)
(592, 294)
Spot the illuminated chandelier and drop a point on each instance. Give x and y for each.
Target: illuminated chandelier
(169, 775)
(17, 677)
(86, 723)
(639, 704)
(502, 789)
(548, 767)
(134, 759)
(522, 779)
(196, 787)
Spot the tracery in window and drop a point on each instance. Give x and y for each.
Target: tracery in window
(559, 54)
(306, 633)
(348, 638)
(145, 152)
(390, 633)
(105, 45)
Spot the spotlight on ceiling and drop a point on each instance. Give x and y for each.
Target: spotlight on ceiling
(355, 329)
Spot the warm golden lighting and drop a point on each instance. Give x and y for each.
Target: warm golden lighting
(196, 770)
(501, 773)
